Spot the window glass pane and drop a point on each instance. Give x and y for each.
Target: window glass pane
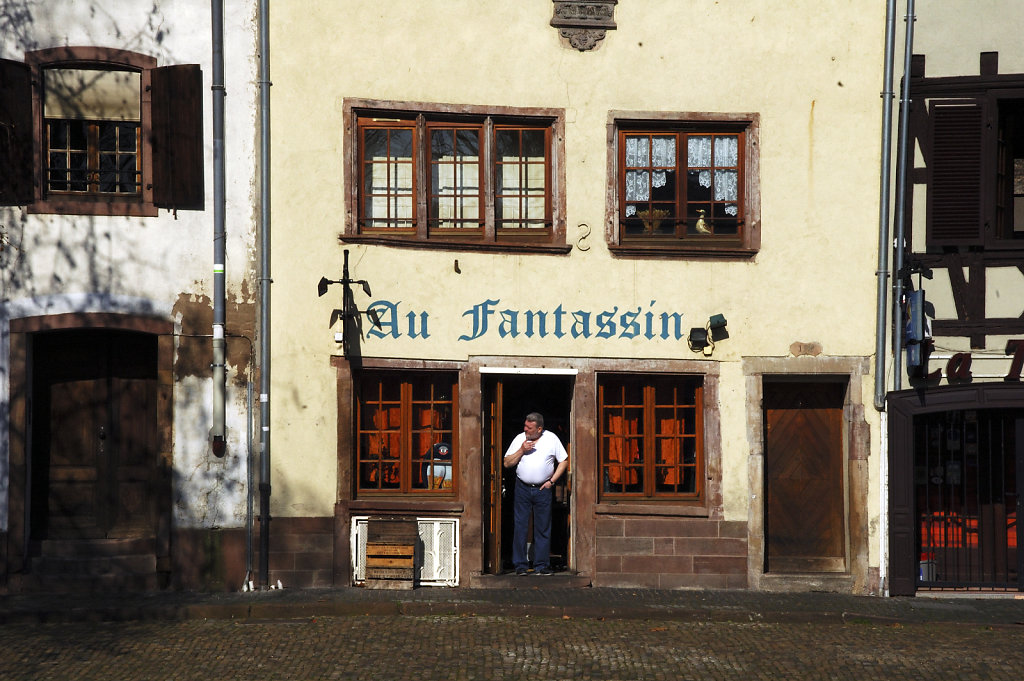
(401, 144)
(663, 151)
(534, 144)
(506, 143)
(726, 185)
(126, 137)
(698, 151)
(375, 144)
(726, 150)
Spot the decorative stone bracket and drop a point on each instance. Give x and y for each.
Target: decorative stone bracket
(584, 22)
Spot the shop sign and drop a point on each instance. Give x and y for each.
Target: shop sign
(489, 319)
(958, 367)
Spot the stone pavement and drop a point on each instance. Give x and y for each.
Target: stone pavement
(539, 631)
(534, 596)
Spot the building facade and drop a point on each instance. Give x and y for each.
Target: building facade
(955, 420)
(109, 477)
(647, 221)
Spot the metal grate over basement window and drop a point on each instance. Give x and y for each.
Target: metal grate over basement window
(437, 552)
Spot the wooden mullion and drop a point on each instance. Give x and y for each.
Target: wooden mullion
(405, 458)
(92, 144)
(649, 439)
(488, 170)
(421, 158)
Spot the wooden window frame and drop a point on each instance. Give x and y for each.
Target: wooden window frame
(92, 203)
(169, 140)
(641, 475)
(425, 229)
(685, 242)
(396, 476)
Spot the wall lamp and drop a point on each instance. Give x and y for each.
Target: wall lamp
(702, 339)
(349, 313)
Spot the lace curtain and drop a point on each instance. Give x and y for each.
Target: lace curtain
(726, 153)
(648, 154)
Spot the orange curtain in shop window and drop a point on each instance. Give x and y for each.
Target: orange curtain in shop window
(429, 421)
(386, 444)
(618, 456)
(668, 469)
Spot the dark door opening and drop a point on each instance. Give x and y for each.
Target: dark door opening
(94, 435)
(507, 400)
(967, 468)
(803, 477)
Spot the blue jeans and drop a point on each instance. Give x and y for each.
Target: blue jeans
(538, 501)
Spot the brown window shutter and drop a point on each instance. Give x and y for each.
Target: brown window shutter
(956, 174)
(177, 120)
(15, 133)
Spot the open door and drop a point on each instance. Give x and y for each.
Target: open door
(507, 401)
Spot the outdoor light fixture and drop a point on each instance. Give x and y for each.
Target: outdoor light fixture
(702, 339)
(349, 313)
(698, 338)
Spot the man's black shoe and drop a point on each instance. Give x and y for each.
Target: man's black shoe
(521, 572)
(545, 571)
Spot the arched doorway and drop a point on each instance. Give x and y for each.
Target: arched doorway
(90, 450)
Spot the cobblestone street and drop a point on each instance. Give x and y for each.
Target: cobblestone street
(419, 648)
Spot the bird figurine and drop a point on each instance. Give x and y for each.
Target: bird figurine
(701, 226)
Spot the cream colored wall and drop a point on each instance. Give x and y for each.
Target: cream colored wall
(811, 73)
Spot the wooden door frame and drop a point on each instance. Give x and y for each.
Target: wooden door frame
(14, 552)
(859, 578)
(498, 380)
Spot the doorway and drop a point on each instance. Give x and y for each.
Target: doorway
(507, 401)
(968, 465)
(94, 435)
(804, 495)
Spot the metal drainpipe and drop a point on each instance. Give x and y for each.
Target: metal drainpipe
(265, 281)
(902, 157)
(219, 383)
(883, 209)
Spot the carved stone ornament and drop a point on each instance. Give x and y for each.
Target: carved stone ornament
(584, 22)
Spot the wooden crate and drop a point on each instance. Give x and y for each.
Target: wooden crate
(391, 553)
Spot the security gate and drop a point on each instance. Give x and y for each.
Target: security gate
(967, 464)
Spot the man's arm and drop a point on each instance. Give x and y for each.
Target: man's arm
(512, 457)
(559, 470)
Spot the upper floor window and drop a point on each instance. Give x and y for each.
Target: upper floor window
(477, 179)
(651, 438)
(685, 186)
(406, 433)
(974, 150)
(101, 132)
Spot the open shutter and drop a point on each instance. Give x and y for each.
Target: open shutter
(15, 133)
(177, 119)
(956, 174)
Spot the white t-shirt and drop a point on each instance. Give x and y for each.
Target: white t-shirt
(537, 465)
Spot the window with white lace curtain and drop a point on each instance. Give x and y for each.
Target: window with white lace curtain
(685, 186)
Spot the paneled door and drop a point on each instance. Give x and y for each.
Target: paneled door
(803, 468)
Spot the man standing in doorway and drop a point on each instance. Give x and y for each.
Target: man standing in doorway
(540, 460)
